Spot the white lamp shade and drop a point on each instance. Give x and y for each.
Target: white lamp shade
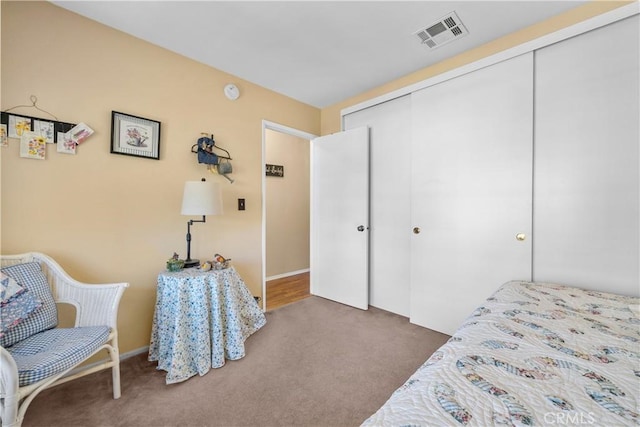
(201, 198)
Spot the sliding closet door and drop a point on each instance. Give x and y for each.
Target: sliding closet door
(471, 190)
(586, 160)
(390, 217)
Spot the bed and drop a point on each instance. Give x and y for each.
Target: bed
(533, 354)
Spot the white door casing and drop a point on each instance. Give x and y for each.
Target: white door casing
(340, 217)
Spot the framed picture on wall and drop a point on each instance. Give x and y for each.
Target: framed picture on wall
(274, 170)
(135, 136)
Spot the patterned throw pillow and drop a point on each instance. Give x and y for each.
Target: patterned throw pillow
(17, 309)
(8, 288)
(30, 276)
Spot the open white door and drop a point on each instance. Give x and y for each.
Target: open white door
(340, 217)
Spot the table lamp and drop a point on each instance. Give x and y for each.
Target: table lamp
(199, 198)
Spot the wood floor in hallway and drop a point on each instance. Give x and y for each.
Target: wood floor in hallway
(287, 290)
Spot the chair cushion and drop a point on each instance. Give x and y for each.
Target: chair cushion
(30, 276)
(55, 350)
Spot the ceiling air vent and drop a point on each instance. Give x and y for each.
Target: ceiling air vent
(445, 30)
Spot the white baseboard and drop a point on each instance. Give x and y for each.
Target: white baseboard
(123, 356)
(291, 273)
(135, 352)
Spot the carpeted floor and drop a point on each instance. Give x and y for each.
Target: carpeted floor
(315, 363)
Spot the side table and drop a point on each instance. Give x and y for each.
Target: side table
(201, 318)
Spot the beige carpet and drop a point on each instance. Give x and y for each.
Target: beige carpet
(315, 363)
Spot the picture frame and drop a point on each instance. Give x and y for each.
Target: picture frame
(135, 136)
(274, 170)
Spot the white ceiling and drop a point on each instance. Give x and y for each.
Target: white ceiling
(318, 52)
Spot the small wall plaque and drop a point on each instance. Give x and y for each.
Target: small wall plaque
(275, 170)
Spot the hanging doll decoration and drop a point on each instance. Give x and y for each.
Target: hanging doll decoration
(204, 148)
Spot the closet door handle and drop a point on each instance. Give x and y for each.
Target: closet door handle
(361, 228)
(416, 230)
(521, 236)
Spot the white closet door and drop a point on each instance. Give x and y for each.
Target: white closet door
(340, 217)
(586, 160)
(390, 217)
(471, 190)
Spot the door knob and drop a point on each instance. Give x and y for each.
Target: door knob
(361, 228)
(416, 230)
(521, 236)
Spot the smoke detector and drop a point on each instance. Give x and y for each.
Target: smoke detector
(445, 30)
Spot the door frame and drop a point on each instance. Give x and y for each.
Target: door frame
(266, 124)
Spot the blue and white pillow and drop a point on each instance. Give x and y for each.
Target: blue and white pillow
(30, 276)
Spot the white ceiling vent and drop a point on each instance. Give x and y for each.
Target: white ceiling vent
(445, 30)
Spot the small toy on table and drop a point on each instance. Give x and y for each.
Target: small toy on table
(175, 263)
(220, 262)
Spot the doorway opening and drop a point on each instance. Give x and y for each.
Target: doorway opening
(285, 214)
(287, 290)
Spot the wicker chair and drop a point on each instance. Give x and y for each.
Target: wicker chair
(61, 350)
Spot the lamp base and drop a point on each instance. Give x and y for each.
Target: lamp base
(191, 263)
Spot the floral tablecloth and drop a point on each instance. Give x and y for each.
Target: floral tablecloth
(201, 319)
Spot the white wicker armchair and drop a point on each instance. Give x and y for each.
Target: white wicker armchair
(96, 305)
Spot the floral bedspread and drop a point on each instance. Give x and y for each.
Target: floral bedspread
(201, 318)
(533, 354)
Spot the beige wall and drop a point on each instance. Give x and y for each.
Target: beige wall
(331, 115)
(287, 204)
(107, 217)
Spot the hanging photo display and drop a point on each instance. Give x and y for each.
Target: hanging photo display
(16, 125)
(35, 133)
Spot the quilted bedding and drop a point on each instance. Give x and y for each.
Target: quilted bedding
(533, 354)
